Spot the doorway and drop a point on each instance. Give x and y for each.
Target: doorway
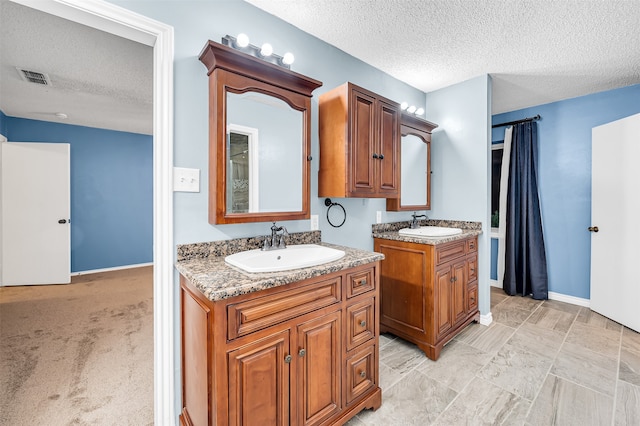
(116, 20)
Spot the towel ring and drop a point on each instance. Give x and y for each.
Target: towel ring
(329, 203)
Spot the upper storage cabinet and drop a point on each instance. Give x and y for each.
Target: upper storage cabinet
(359, 144)
(259, 138)
(415, 165)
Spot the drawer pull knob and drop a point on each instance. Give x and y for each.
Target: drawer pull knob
(287, 359)
(363, 281)
(363, 374)
(302, 352)
(473, 269)
(452, 279)
(363, 323)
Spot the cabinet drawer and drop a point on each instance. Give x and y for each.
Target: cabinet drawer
(472, 297)
(472, 245)
(247, 317)
(360, 282)
(361, 373)
(472, 268)
(450, 251)
(360, 323)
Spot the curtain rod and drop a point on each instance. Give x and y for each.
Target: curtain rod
(524, 120)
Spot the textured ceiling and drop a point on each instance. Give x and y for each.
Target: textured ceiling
(536, 51)
(97, 79)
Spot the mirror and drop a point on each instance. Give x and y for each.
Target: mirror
(264, 153)
(415, 165)
(259, 138)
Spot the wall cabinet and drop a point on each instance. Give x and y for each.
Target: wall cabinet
(301, 354)
(429, 293)
(359, 144)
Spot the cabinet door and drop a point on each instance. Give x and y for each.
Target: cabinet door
(259, 382)
(318, 372)
(442, 301)
(363, 139)
(388, 150)
(458, 292)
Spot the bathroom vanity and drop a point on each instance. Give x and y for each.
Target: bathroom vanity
(296, 347)
(429, 286)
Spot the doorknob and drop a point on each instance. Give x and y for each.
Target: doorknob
(62, 221)
(593, 229)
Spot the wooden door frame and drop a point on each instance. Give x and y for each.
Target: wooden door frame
(133, 26)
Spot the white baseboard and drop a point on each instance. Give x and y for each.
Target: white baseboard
(116, 268)
(569, 299)
(495, 283)
(486, 319)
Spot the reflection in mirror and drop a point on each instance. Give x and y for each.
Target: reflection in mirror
(413, 171)
(242, 181)
(270, 178)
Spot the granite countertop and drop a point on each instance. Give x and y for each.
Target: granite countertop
(204, 266)
(389, 231)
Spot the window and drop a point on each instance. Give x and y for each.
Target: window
(496, 168)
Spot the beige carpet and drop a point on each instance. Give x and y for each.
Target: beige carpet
(78, 354)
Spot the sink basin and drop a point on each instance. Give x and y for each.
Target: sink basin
(292, 257)
(430, 231)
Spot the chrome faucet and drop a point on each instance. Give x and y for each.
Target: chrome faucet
(275, 243)
(414, 220)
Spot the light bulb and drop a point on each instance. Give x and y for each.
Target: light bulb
(411, 109)
(266, 50)
(404, 105)
(420, 111)
(288, 58)
(242, 40)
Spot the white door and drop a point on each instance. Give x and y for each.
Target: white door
(35, 213)
(615, 211)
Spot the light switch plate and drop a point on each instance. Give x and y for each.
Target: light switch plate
(379, 216)
(186, 180)
(314, 222)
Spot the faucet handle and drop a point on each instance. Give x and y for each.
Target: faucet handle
(282, 244)
(266, 245)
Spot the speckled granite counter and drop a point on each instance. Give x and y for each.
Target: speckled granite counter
(389, 231)
(204, 266)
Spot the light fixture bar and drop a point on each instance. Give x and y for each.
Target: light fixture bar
(265, 52)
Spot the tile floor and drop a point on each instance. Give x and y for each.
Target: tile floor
(538, 363)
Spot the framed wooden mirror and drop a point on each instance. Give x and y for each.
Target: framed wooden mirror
(415, 165)
(259, 138)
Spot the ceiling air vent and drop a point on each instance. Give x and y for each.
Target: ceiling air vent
(34, 77)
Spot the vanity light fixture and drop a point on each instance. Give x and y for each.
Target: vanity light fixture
(411, 109)
(264, 52)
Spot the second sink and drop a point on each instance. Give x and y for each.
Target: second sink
(430, 231)
(292, 257)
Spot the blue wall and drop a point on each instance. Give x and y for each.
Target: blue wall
(111, 191)
(564, 135)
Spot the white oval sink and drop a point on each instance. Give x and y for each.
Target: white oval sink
(292, 257)
(430, 231)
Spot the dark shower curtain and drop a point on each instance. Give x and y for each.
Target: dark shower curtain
(525, 270)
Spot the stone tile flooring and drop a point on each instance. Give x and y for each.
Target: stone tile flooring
(538, 363)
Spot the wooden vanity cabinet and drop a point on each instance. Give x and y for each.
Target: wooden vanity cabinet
(304, 353)
(428, 293)
(359, 144)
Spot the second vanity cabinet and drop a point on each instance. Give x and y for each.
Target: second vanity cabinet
(304, 353)
(429, 293)
(359, 144)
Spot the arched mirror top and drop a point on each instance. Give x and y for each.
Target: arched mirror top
(259, 138)
(415, 165)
